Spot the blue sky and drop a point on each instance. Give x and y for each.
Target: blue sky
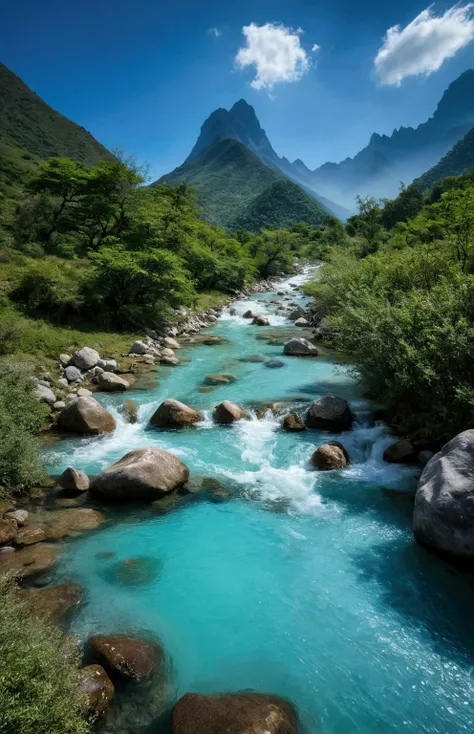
(144, 75)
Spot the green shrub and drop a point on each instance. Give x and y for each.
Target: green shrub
(38, 673)
(51, 286)
(21, 417)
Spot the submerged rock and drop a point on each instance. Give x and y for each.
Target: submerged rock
(300, 347)
(329, 413)
(227, 412)
(142, 474)
(173, 413)
(219, 379)
(233, 713)
(252, 358)
(331, 455)
(97, 689)
(444, 504)
(126, 658)
(293, 422)
(53, 603)
(274, 364)
(68, 522)
(30, 536)
(400, 452)
(134, 571)
(74, 480)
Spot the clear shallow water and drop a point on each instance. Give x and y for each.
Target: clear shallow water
(307, 584)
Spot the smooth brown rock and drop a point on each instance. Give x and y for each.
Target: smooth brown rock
(233, 713)
(28, 561)
(174, 413)
(227, 412)
(400, 452)
(218, 379)
(8, 531)
(260, 321)
(329, 413)
(30, 536)
(109, 382)
(53, 603)
(74, 480)
(124, 657)
(96, 688)
(299, 347)
(293, 422)
(86, 416)
(331, 455)
(143, 474)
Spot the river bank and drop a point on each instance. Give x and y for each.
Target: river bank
(284, 580)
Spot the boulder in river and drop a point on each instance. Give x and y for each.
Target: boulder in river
(86, 416)
(68, 522)
(233, 713)
(85, 359)
(444, 504)
(53, 603)
(293, 422)
(329, 413)
(260, 321)
(126, 658)
(173, 413)
(301, 322)
(129, 410)
(96, 688)
(331, 455)
(110, 382)
(400, 452)
(74, 480)
(142, 474)
(300, 347)
(249, 315)
(227, 412)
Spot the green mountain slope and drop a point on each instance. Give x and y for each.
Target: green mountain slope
(460, 159)
(234, 188)
(28, 123)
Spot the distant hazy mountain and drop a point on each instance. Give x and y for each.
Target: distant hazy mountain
(28, 123)
(237, 190)
(460, 159)
(404, 155)
(241, 123)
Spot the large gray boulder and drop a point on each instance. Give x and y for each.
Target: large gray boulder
(110, 382)
(86, 358)
(45, 394)
(173, 413)
(139, 347)
(73, 374)
(233, 713)
(329, 413)
(300, 347)
(143, 474)
(86, 416)
(444, 503)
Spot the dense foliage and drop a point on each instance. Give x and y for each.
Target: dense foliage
(401, 303)
(21, 417)
(459, 160)
(39, 675)
(238, 191)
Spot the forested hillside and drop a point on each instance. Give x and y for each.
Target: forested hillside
(460, 159)
(236, 190)
(398, 295)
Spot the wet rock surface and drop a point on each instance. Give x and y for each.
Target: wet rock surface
(97, 689)
(126, 658)
(329, 413)
(174, 413)
(52, 604)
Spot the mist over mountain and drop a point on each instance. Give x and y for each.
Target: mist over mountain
(403, 156)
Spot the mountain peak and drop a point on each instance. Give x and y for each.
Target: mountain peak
(458, 99)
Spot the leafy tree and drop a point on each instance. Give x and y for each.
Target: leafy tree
(406, 206)
(272, 252)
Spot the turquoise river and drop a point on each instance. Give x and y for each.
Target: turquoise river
(306, 584)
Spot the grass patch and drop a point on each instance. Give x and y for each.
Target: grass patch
(210, 299)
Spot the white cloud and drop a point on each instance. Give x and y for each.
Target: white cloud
(276, 53)
(424, 44)
(214, 32)
(315, 47)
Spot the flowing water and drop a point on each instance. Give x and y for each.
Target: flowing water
(305, 584)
